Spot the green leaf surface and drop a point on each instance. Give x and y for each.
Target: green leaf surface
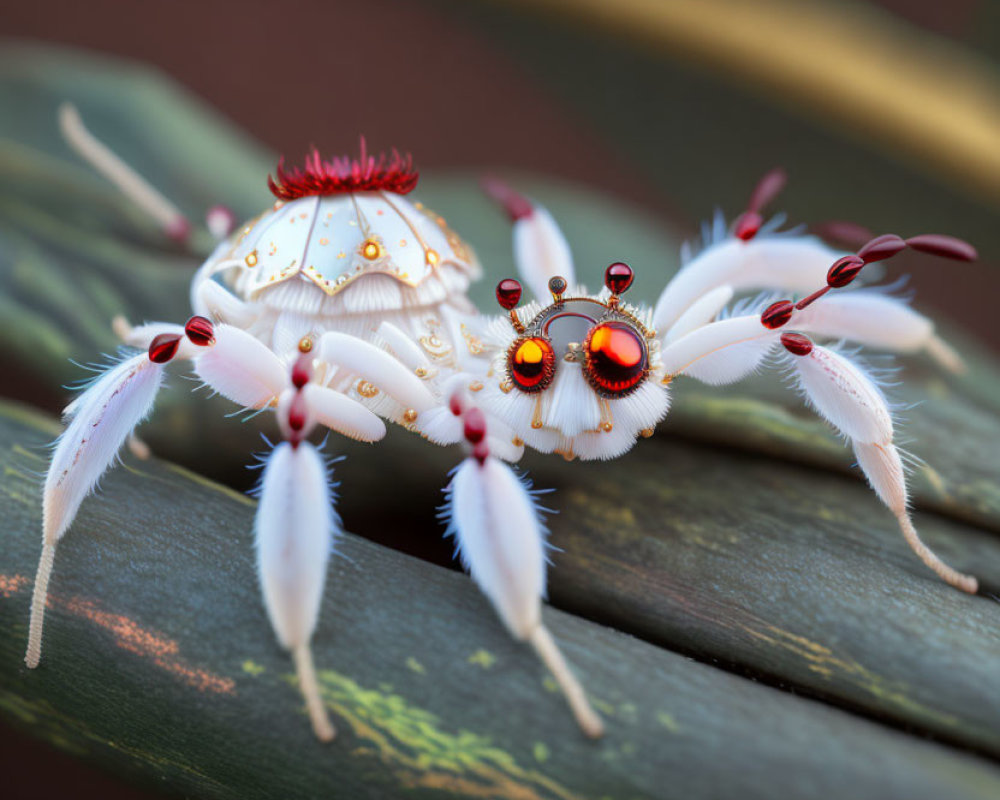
(159, 664)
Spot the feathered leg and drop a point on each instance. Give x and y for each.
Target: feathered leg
(849, 400)
(540, 249)
(727, 350)
(101, 419)
(501, 540)
(296, 524)
(295, 528)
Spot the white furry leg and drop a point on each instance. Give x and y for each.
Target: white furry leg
(210, 299)
(550, 654)
(101, 419)
(884, 469)
(846, 397)
(306, 672)
(129, 182)
(295, 526)
(540, 249)
(240, 368)
(39, 598)
(380, 368)
(876, 319)
(791, 263)
(501, 541)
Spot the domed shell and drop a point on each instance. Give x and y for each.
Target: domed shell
(333, 241)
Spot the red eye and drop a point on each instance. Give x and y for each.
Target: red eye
(531, 363)
(617, 361)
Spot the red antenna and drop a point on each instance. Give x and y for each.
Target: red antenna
(845, 269)
(768, 187)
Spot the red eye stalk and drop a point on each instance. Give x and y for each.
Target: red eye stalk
(618, 277)
(508, 296)
(508, 293)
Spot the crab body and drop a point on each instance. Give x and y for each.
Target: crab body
(344, 306)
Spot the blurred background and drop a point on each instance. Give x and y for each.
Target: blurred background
(884, 112)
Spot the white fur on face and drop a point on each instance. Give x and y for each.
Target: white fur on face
(567, 416)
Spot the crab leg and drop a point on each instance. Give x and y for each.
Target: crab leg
(129, 182)
(377, 366)
(791, 263)
(726, 351)
(720, 352)
(295, 528)
(744, 260)
(101, 419)
(210, 299)
(296, 524)
(540, 249)
(878, 320)
(501, 540)
(241, 368)
(851, 402)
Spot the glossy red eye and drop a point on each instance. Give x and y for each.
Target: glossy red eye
(531, 363)
(616, 358)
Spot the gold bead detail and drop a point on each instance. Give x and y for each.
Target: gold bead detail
(251, 258)
(371, 249)
(410, 416)
(645, 433)
(305, 344)
(432, 257)
(517, 441)
(607, 427)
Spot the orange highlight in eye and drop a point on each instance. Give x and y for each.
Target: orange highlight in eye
(532, 363)
(618, 345)
(617, 361)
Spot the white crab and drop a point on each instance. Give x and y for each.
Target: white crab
(345, 305)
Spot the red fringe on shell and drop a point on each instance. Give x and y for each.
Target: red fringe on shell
(393, 173)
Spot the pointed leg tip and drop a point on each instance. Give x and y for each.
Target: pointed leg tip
(31, 660)
(324, 731)
(592, 728)
(967, 584)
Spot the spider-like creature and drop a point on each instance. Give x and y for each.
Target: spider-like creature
(344, 305)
